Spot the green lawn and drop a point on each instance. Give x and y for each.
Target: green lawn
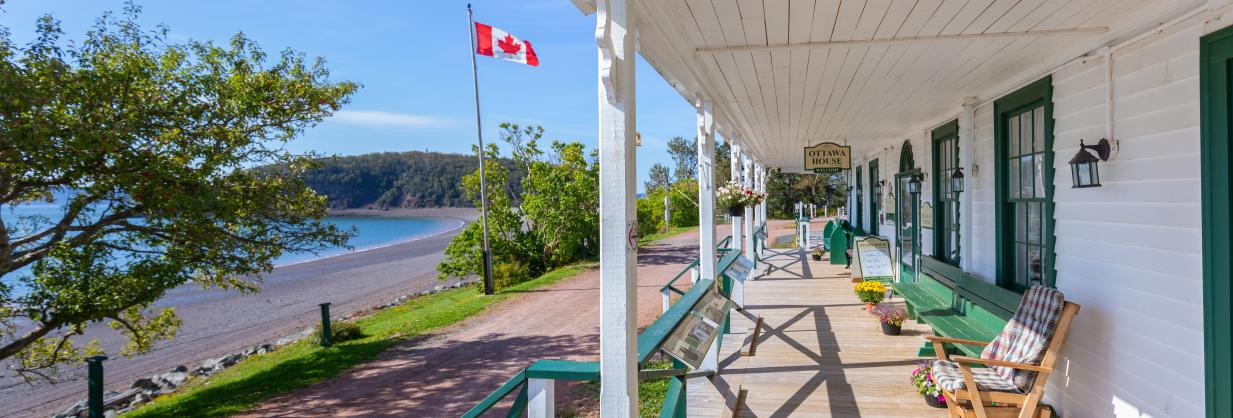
(304, 362)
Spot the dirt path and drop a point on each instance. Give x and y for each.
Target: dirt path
(449, 373)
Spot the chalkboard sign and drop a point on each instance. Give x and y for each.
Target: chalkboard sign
(873, 259)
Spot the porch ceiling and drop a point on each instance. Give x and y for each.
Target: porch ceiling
(785, 74)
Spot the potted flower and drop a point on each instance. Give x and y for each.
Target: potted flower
(871, 292)
(922, 378)
(891, 317)
(817, 254)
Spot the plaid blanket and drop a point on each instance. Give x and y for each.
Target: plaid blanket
(1027, 335)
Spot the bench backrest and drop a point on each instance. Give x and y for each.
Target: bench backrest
(970, 292)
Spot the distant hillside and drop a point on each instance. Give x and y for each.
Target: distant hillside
(412, 179)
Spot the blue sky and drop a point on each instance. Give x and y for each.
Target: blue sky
(412, 59)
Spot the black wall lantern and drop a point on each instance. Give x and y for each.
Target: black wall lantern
(1084, 168)
(956, 181)
(914, 184)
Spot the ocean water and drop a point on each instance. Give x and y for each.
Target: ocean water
(371, 231)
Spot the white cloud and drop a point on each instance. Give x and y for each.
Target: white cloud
(376, 118)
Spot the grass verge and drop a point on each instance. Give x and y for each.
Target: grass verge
(303, 363)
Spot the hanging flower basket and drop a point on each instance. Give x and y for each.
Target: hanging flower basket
(736, 211)
(736, 198)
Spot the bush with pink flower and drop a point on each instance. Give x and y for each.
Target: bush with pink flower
(922, 378)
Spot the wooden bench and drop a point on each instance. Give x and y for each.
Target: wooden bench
(957, 305)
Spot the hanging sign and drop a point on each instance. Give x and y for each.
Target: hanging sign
(828, 157)
(693, 336)
(926, 215)
(873, 260)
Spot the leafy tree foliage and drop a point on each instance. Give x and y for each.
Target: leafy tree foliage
(412, 179)
(657, 178)
(554, 222)
(150, 144)
(684, 153)
(784, 190)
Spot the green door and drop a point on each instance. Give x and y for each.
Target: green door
(875, 199)
(1216, 86)
(907, 224)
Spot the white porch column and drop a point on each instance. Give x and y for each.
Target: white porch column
(706, 191)
(737, 241)
(618, 352)
(967, 140)
(749, 210)
(541, 398)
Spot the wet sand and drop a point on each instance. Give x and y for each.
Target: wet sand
(218, 322)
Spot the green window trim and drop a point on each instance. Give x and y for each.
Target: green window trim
(1216, 154)
(875, 198)
(946, 229)
(1023, 102)
(859, 201)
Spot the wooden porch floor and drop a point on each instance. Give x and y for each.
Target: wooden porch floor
(820, 354)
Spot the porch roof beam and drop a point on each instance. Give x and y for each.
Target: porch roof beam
(912, 40)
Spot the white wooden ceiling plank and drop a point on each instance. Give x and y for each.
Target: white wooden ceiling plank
(871, 19)
(846, 75)
(797, 77)
(703, 14)
(970, 12)
(921, 13)
(729, 18)
(830, 77)
(894, 18)
(753, 18)
(1075, 8)
(1020, 12)
(849, 15)
(860, 91)
(764, 75)
(781, 62)
(777, 21)
(810, 92)
(800, 21)
(825, 12)
(818, 130)
(683, 19)
(746, 62)
(732, 66)
(993, 13)
(942, 17)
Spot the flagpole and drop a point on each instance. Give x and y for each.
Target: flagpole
(479, 134)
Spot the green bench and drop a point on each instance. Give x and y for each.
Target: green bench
(957, 305)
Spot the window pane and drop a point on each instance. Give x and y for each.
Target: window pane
(1020, 264)
(1033, 223)
(1039, 135)
(1034, 265)
(1025, 133)
(1013, 128)
(1013, 173)
(1040, 175)
(1026, 171)
(1020, 219)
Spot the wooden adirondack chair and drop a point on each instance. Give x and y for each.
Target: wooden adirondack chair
(1016, 364)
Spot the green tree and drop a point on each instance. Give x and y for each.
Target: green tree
(684, 153)
(150, 146)
(657, 178)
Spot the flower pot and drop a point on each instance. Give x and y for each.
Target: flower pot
(869, 307)
(817, 257)
(934, 401)
(736, 211)
(889, 329)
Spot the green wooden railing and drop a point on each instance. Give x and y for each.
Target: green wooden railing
(649, 342)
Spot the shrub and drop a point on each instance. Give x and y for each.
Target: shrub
(341, 331)
(509, 274)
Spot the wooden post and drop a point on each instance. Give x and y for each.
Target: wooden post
(541, 398)
(706, 191)
(747, 167)
(967, 160)
(94, 386)
(737, 221)
(615, 35)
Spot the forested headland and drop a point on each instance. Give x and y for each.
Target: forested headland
(413, 179)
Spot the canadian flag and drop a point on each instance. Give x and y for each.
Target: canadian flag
(507, 48)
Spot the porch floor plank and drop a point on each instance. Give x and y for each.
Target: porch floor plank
(820, 354)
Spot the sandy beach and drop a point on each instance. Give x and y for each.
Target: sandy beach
(218, 322)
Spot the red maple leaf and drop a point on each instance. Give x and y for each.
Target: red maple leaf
(509, 45)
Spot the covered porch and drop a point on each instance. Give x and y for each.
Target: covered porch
(819, 353)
